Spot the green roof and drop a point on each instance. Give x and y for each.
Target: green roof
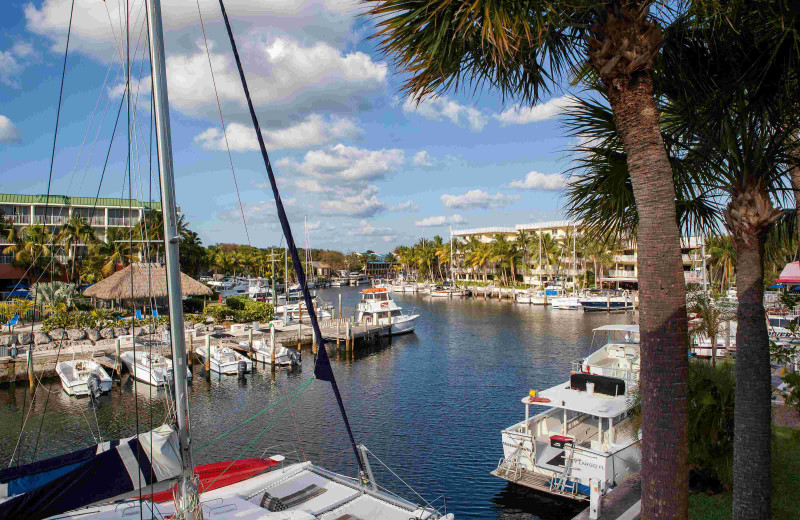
(74, 201)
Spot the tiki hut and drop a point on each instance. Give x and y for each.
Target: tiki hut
(149, 281)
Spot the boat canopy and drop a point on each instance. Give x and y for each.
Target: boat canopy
(562, 396)
(48, 487)
(617, 328)
(790, 274)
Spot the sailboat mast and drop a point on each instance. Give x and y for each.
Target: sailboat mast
(452, 278)
(187, 493)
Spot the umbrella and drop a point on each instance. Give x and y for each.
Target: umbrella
(146, 280)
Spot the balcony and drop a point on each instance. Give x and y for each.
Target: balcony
(6, 259)
(122, 221)
(625, 258)
(694, 257)
(54, 219)
(620, 273)
(18, 219)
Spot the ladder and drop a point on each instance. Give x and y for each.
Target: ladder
(563, 483)
(511, 464)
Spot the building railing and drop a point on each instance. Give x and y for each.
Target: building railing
(624, 258)
(620, 273)
(18, 219)
(122, 221)
(6, 259)
(54, 219)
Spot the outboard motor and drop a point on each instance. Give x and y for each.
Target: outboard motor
(242, 369)
(93, 384)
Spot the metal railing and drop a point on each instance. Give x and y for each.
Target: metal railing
(629, 376)
(6, 259)
(122, 221)
(625, 258)
(18, 219)
(50, 219)
(620, 273)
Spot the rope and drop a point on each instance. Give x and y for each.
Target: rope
(322, 368)
(270, 406)
(222, 123)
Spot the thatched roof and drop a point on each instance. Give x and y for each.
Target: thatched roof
(149, 280)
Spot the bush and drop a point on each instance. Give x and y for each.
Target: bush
(711, 406)
(792, 380)
(250, 311)
(237, 303)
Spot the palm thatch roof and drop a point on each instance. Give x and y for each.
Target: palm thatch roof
(149, 280)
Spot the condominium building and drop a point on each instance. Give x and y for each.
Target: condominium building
(620, 271)
(54, 211)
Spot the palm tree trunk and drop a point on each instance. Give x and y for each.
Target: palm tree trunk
(752, 415)
(663, 321)
(713, 339)
(595, 273)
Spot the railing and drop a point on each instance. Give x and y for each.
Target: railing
(6, 259)
(625, 258)
(629, 376)
(54, 219)
(19, 219)
(694, 257)
(620, 273)
(121, 221)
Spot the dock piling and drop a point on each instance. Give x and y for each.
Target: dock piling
(118, 361)
(208, 354)
(31, 378)
(272, 344)
(340, 306)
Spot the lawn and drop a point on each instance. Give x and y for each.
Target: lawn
(785, 484)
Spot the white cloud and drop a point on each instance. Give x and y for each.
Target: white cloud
(12, 63)
(365, 204)
(438, 108)
(408, 205)
(348, 163)
(477, 199)
(422, 159)
(309, 185)
(367, 229)
(8, 132)
(313, 131)
(440, 221)
(519, 115)
(540, 181)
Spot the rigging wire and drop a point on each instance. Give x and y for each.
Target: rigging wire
(47, 202)
(322, 368)
(222, 123)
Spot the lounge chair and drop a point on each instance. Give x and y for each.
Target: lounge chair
(13, 321)
(138, 314)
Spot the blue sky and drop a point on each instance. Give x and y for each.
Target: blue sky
(365, 166)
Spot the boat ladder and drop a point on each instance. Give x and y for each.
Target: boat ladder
(564, 483)
(510, 465)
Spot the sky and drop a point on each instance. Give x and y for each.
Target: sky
(357, 161)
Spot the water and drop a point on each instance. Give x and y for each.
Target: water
(430, 404)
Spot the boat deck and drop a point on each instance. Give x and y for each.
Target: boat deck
(539, 482)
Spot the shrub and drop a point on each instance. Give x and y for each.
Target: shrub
(193, 305)
(792, 380)
(237, 303)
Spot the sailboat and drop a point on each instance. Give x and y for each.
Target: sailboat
(72, 485)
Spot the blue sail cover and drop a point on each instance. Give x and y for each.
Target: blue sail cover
(49, 487)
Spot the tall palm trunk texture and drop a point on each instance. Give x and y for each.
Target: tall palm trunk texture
(749, 217)
(663, 321)
(794, 177)
(752, 430)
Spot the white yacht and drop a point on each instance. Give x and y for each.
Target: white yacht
(377, 307)
(262, 353)
(358, 279)
(225, 360)
(542, 297)
(608, 301)
(586, 432)
(153, 369)
(76, 373)
(446, 290)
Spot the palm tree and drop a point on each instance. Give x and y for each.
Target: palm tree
(74, 232)
(33, 248)
(723, 258)
(518, 48)
(480, 258)
(711, 314)
(114, 251)
(500, 247)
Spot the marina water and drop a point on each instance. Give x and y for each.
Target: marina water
(429, 404)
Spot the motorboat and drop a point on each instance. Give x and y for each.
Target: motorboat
(585, 434)
(261, 352)
(608, 301)
(358, 279)
(76, 375)
(225, 360)
(377, 307)
(568, 303)
(151, 368)
(293, 311)
(542, 297)
(446, 290)
(780, 324)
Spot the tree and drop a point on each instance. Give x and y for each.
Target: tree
(518, 48)
(711, 314)
(72, 233)
(116, 250)
(34, 250)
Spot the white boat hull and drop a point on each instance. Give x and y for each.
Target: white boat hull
(567, 303)
(152, 375)
(78, 385)
(227, 367)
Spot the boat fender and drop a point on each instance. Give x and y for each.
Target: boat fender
(242, 368)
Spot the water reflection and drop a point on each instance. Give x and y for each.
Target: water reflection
(430, 404)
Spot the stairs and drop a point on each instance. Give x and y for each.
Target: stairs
(564, 484)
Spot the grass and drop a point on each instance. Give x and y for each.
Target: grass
(785, 483)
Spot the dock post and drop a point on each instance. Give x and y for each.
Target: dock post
(250, 339)
(595, 499)
(31, 379)
(208, 354)
(608, 302)
(347, 335)
(340, 306)
(299, 325)
(313, 343)
(118, 361)
(338, 332)
(272, 344)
